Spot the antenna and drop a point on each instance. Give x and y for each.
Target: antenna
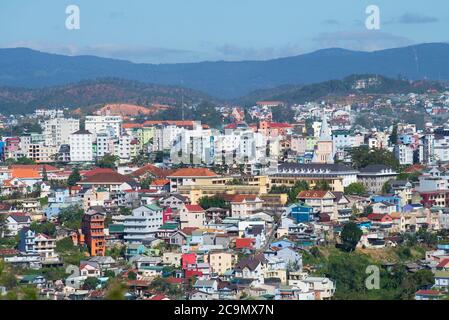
(182, 99)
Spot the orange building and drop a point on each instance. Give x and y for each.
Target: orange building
(93, 230)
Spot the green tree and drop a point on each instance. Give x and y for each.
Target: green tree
(74, 177)
(47, 228)
(44, 174)
(91, 283)
(116, 291)
(213, 202)
(355, 188)
(350, 236)
(132, 275)
(394, 135)
(71, 217)
(107, 161)
(322, 185)
(25, 161)
(145, 183)
(386, 188)
(362, 156)
(299, 186)
(29, 293)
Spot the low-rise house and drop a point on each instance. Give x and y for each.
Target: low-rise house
(208, 286)
(16, 222)
(90, 269)
(320, 201)
(252, 267)
(192, 216)
(221, 261)
(441, 279)
(428, 295)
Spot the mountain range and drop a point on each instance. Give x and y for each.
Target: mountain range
(91, 95)
(21, 67)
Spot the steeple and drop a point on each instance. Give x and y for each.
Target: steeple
(323, 152)
(324, 132)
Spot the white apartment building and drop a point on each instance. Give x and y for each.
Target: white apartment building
(57, 131)
(404, 154)
(143, 223)
(165, 136)
(81, 147)
(110, 125)
(192, 146)
(118, 146)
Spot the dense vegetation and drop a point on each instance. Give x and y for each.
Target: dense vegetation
(95, 93)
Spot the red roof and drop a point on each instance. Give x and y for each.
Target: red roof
(414, 168)
(428, 292)
(106, 177)
(194, 208)
(160, 182)
(152, 169)
(193, 172)
(443, 263)
(242, 243)
(243, 197)
(279, 125)
(378, 216)
(318, 194)
(96, 171)
(159, 297)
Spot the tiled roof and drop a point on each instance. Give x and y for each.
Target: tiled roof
(25, 173)
(194, 208)
(193, 172)
(443, 263)
(243, 197)
(241, 243)
(96, 171)
(313, 194)
(152, 169)
(160, 182)
(107, 177)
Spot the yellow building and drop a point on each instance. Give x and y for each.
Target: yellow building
(221, 261)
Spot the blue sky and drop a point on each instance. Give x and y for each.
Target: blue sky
(161, 31)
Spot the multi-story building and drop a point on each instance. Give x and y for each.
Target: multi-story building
(92, 228)
(143, 223)
(373, 177)
(81, 147)
(41, 244)
(110, 125)
(404, 154)
(57, 131)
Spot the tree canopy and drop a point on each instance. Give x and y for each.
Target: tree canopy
(74, 177)
(350, 236)
(355, 188)
(362, 156)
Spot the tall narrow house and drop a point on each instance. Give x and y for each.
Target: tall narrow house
(93, 230)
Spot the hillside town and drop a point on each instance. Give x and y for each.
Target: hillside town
(119, 206)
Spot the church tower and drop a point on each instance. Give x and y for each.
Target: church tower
(324, 149)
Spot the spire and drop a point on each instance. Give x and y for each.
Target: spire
(324, 132)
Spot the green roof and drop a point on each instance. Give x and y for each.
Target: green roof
(116, 228)
(153, 207)
(442, 274)
(169, 226)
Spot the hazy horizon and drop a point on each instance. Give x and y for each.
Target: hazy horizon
(176, 31)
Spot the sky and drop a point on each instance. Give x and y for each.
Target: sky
(172, 31)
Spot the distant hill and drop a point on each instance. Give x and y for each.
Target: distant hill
(32, 69)
(97, 93)
(354, 84)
